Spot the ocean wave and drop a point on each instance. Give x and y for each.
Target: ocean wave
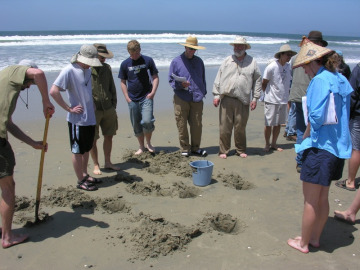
(50, 40)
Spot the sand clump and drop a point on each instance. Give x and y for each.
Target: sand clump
(178, 189)
(162, 163)
(235, 181)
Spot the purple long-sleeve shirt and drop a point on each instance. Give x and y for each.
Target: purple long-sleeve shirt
(194, 71)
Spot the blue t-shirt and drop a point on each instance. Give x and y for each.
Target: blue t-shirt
(138, 74)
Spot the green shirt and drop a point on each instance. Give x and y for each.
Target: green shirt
(11, 81)
(103, 87)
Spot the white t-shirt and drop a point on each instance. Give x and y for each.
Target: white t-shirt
(278, 88)
(77, 83)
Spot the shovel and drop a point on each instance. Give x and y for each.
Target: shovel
(39, 184)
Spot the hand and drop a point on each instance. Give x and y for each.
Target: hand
(185, 84)
(39, 145)
(216, 102)
(253, 105)
(77, 109)
(150, 95)
(48, 108)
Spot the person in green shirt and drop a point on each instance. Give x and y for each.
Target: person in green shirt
(105, 99)
(14, 79)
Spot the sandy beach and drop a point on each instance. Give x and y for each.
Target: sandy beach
(150, 215)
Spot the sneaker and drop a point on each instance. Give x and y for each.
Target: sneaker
(200, 152)
(185, 154)
(291, 138)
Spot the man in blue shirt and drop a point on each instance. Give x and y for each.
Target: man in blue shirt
(139, 82)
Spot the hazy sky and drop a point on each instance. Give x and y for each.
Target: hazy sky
(332, 17)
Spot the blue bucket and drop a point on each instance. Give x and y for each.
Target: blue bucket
(202, 171)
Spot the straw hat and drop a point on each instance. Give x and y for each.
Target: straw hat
(88, 55)
(192, 42)
(241, 40)
(103, 51)
(284, 48)
(309, 52)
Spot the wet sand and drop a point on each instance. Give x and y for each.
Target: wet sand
(150, 215)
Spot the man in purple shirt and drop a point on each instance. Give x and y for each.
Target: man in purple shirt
(187, 78)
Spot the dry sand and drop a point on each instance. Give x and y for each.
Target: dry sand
(151, 216)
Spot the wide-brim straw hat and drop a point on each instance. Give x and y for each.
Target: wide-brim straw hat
(309, 51)
(88, 55)
(284, 48)
(192, 42)
(103, 51)
(241, 40)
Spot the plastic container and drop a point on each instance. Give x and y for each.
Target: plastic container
(202, 171)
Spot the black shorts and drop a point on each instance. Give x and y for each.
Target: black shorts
(81, 138)
(7, 159)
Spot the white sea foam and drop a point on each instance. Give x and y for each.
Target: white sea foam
(53, 51)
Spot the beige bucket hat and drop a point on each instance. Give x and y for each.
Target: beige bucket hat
(241, 40)
(192, 42)
(103, 51)
(284, 48)
(309, 51)
(88, 55)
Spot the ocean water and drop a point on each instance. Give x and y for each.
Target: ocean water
(52, 50)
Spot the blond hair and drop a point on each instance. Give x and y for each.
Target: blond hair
(133, 46)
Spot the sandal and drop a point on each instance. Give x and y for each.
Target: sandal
(93, 181)
(85, 185)
(200, 152)
(342, 184)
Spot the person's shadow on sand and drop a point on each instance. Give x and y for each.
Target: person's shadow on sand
(62, 223)
(336, 234)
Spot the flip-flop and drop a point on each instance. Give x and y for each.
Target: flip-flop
(342, 184)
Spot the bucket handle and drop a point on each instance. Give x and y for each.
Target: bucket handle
(194, 169)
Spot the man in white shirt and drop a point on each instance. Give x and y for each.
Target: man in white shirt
(276, 84)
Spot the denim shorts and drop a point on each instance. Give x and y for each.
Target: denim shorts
(7, 159)
(354, 126)
(141, 116)
(320, 167)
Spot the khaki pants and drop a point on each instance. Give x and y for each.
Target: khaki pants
(188, 112)
(232, 114)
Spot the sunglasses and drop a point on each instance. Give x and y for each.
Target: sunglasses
(191, 49)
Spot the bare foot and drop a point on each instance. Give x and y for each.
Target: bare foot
(314, 244)
(345, 217)
(96, 170)
(111, 166)
(15, 239)
(243, 155)
(150, 148)
(276, 148)
(295, 243)
(223, 156)
(139, 152)
(267, 148)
